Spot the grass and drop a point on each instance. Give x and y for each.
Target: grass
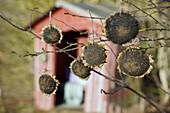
(16, 73)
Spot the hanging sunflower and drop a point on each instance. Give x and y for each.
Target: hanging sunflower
(94, 55)
(121, 28)
(52, 34)
(48, 84)
(134, 63)
(77, 67)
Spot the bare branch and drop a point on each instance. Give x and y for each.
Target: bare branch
(116, 80)
(154, 47)
(11, 22)
(83, 16)
(166, 7)
(57, 20)
(148, 100)
(154, 29)
(14, 24)
(32, 54)
(116, 90)
(92, 26)
(154, 6)
(61, 50)
(158, 85)
(148, 38)
(124, 85)
(31, 17)
(145, 13)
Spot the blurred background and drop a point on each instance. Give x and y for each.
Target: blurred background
(17, 73)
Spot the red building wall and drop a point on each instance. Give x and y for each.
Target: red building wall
(94, 100)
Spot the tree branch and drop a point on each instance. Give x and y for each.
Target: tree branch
(146, 99)
(145, 13)
(116, 90)
(83, 16)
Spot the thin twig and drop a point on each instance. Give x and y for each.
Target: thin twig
(166, 7)
(83, 16)
(73, 48)
(148, 100)
(70, 45)
(32, 54)
(154, 29)
(111, 50)
(4, 17)
(154, 47)
(145, 13)
(148, 38)
(31, 17)
(154, 39)
(14, 24)
(116, 90)
(45, 69)
(57, 20)
(154, 6)
(61, 50)
(158, 85)
(120, 7)
(108, 46)
(106, 77)
(92, 27)
(68, 24)
(23, 29)
(123, 84)
(50, 14)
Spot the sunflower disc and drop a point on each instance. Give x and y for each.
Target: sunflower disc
(134, 63)
(121, 28)
(48, 84)
(94, 55)
(78, 68)
(51, 34)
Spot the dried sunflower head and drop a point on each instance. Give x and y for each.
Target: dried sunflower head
(77, 67)
(94, 55)
(48, 84)
(134, 63)
(121, 27)
(51, 34)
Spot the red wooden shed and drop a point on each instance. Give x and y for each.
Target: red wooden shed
(94, 101)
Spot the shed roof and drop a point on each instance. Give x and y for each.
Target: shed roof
(102, 9)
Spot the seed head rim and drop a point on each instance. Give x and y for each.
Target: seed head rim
(127, 12)
(95, 66)
(71, 65)
(151, 61)
(48, 27)
(55, 80)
